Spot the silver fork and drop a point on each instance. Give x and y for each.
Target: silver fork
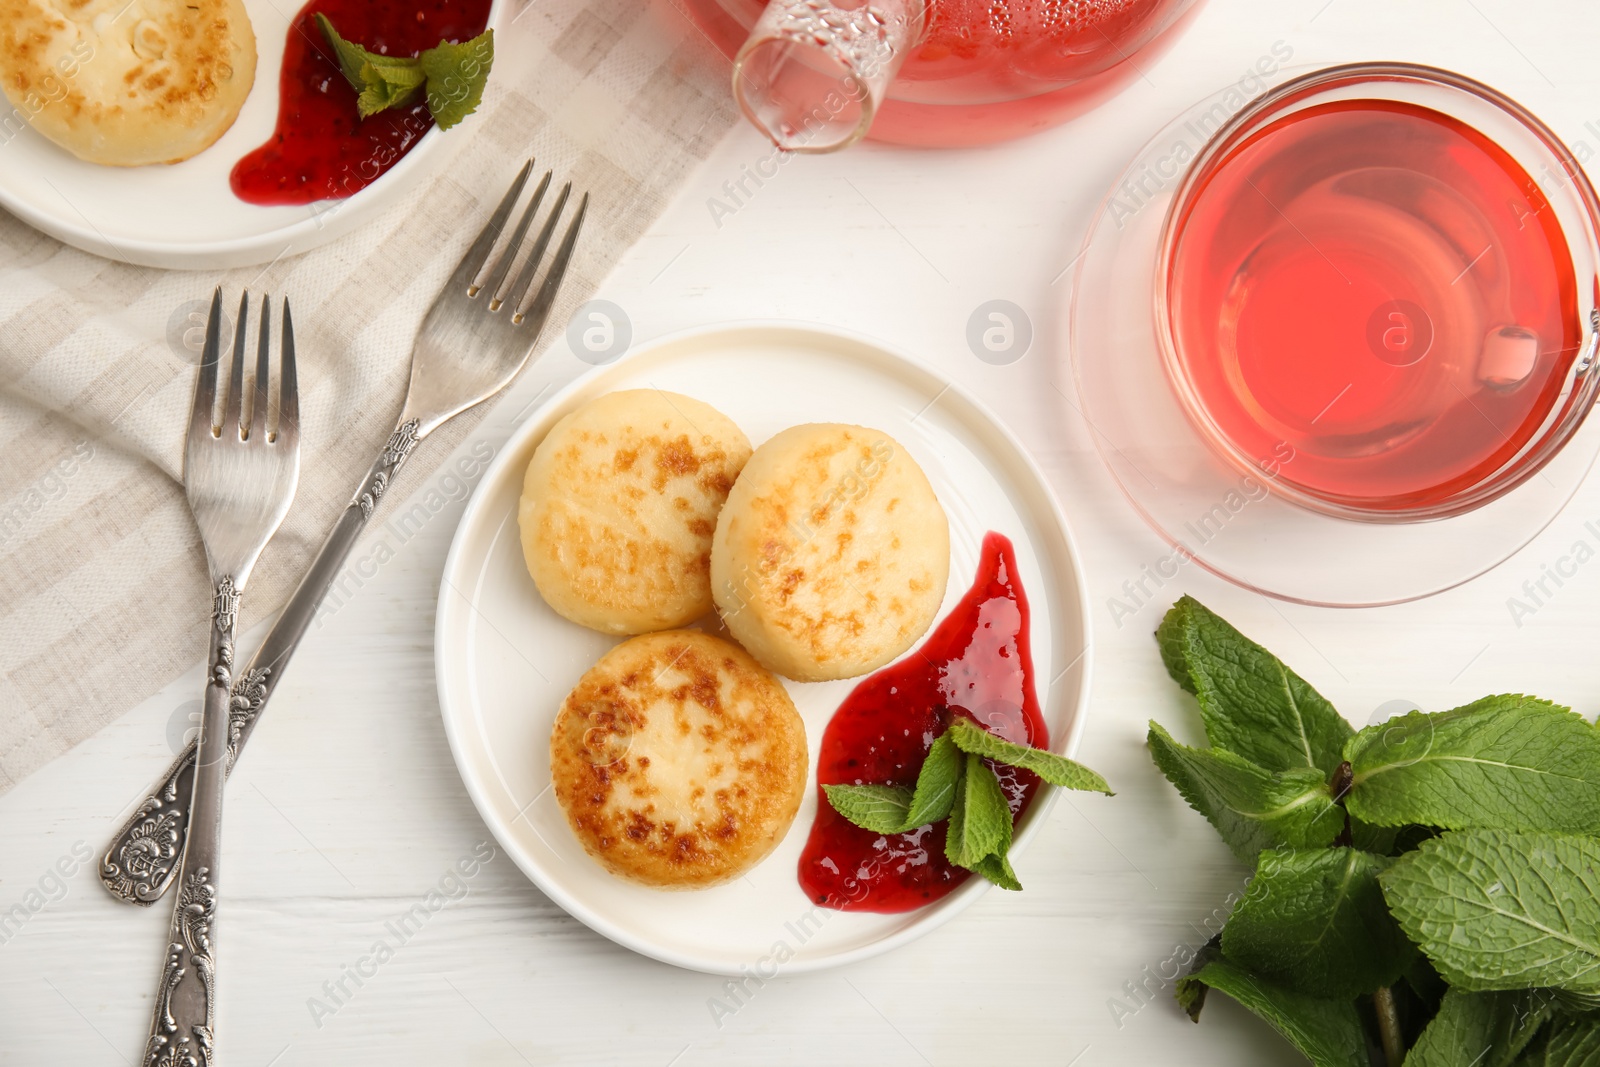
(476, 337)
(240, 475)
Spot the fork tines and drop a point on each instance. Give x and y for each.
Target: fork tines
(203, 415)
(489, 262)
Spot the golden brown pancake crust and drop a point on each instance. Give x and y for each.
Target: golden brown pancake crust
(679, 761)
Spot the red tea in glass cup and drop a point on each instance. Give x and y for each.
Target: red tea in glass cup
(1387, 272)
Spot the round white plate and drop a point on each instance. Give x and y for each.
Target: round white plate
(505, 660)
(183, 215)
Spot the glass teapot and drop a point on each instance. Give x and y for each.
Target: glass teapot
(818, 75)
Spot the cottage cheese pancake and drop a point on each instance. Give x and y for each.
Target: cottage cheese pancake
(678, 760)
(126, 83)
(619, 505)
(831, 554)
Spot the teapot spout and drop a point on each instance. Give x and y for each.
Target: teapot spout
(814, 72)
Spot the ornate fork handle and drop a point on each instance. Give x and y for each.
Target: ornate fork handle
(184, 1024)
(142, 859)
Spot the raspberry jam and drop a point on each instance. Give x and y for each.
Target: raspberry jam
(976, 663)
(322, 149)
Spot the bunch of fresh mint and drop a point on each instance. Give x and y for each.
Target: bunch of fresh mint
(451, 77)
(957, 783)
(1426, 890)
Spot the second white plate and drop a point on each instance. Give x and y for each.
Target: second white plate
(185, 216)
(505, 661)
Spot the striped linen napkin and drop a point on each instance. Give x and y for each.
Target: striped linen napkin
(101, 567)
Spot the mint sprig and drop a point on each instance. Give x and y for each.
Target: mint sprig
(450, 76)
(956, 783)
(1425, 890)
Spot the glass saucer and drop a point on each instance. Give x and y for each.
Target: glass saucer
(1233, 514)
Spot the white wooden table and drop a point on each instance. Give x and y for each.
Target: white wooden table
(348, 809)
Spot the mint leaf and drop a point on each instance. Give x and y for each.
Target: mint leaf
(980, 819)
(452, 76)
(1500, 910)
(1568, 1043)
(955, 829)
(1480, 1029)
(1517, 1018)
(879, 808)
(457, 74)
(1252, 705)
(1327, 1032)
(388, 86)
(893, 809)
(381, 81)
(1174, 639)
(1503, 762)
(936, 784)
(351, 57)
(1314, 921)
(1565, 1000)
(1250, 807)
(998, 870)
(1057, 770)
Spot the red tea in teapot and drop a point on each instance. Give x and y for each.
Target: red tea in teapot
(959, 71)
